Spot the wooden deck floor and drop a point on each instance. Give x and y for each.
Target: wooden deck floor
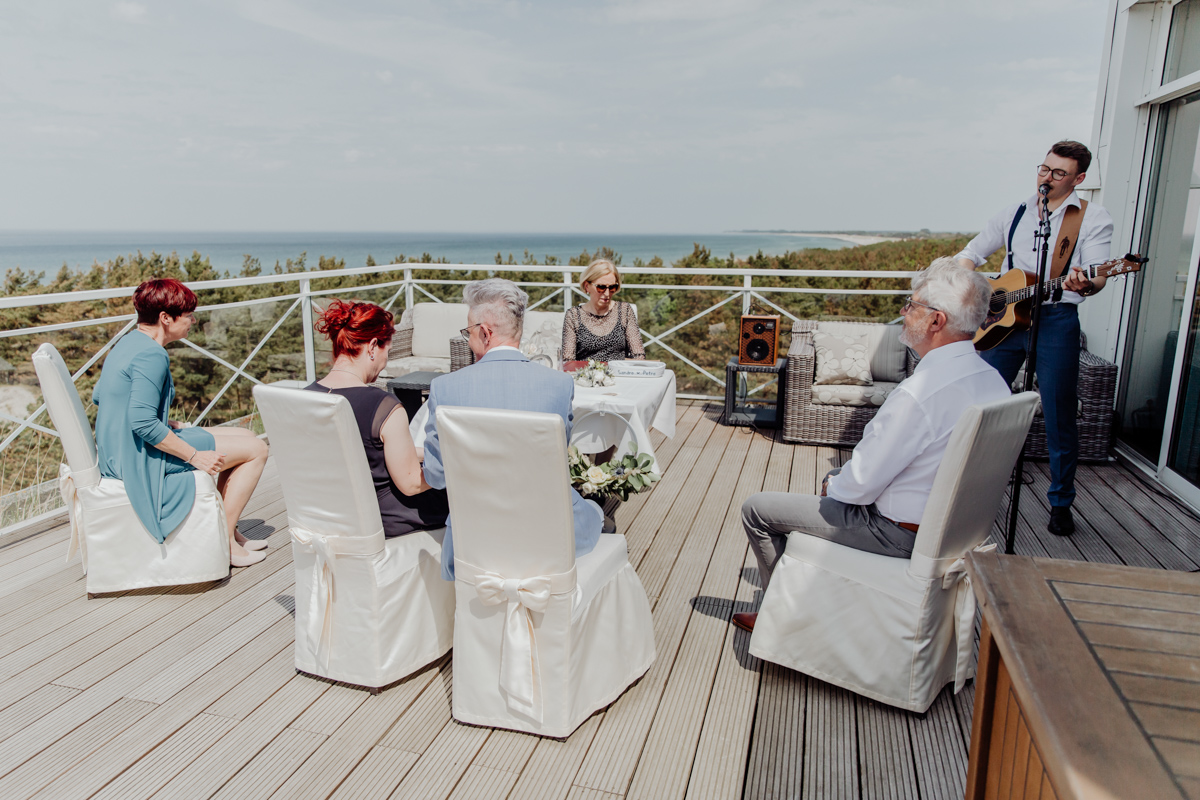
(190, 692)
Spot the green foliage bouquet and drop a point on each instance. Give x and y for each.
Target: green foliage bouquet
(623, 476)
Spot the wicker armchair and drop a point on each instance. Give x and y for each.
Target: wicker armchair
(813, 423)
(460, 354)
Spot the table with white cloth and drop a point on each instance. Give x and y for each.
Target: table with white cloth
(643, 403)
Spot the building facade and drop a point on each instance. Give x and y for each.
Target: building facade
(1146, 141)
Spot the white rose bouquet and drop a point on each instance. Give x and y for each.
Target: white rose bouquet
(623, 476)
(596, 373)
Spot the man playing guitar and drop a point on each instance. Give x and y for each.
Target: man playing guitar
(1057, 369)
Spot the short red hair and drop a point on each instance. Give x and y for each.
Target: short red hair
(162, 294)
(349, 326)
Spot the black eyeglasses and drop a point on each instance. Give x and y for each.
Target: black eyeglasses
(607, 287)
(466, 332)
(909, 303)
(1058, 174)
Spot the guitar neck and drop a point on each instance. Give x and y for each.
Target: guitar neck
(1051, 285)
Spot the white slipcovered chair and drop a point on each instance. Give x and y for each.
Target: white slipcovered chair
(541, 639)
(369, 610)
(892, 629)
(117, 551)
(422, 339)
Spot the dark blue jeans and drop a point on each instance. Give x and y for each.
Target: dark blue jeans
(1058, 383)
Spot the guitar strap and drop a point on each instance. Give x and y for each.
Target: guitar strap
(1068, 237)
(1012, 229)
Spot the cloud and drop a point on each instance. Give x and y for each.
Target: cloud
(384, 76)
(783, 80)
(624, 11)
(129, 11)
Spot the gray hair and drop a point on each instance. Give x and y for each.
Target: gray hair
(498, 302)
(961, 293)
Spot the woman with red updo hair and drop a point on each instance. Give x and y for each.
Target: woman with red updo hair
(155, 456)
(360, 334)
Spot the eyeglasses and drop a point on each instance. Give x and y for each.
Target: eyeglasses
(466, 332)
(909, 303)
(607, 287)
(1058, 174)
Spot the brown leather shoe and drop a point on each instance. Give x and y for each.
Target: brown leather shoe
(746, 621)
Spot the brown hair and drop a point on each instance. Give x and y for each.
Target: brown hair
(349, 326)
(1075, 151)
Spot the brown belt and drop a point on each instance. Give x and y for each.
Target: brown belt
(908, 526)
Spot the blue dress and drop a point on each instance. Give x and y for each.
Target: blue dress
(132, 397)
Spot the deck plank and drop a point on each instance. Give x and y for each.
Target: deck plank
(611, 763)
(190, 692)
(885, 752)
(724, 744)
(221, 762)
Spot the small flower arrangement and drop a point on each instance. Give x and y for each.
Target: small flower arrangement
(624, 476)
(596, 373)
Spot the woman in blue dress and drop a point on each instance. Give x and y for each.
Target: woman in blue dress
(155, 456)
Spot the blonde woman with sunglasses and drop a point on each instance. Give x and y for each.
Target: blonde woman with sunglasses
(603, 328)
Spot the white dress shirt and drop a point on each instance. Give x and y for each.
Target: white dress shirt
(1092, 247)
(902, 447)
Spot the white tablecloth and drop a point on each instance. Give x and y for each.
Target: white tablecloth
(644, 402)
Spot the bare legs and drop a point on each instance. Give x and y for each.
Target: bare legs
(245, 456)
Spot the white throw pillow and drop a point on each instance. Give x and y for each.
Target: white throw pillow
(841, 359)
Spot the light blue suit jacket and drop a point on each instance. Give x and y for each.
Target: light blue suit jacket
(506, 379)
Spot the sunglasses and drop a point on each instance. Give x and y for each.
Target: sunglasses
(607, 287)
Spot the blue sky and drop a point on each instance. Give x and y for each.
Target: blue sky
(652, 116)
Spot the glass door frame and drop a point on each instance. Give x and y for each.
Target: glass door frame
(1173, 480)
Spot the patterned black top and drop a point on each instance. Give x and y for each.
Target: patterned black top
(401, 514)
(612, 336)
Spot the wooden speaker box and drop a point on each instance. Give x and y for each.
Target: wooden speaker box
(758, 342)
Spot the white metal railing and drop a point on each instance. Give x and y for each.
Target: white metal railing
(562, 280)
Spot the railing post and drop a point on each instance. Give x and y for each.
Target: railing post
(746, 287)
(310, 354)
(566, 290)
(408, 288)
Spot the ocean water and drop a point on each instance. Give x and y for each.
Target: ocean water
(49, 250)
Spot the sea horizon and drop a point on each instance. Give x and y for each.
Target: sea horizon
(47, 251)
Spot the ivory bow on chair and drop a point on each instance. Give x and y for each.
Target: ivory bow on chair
(952, 572)
(70, 495)
(520, 673)
(321, 597)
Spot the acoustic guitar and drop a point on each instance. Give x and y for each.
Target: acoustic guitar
(1011, 306)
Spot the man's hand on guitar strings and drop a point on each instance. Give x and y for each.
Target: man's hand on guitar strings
(1078, 282)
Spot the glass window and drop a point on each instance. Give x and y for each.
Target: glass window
(1183, 43)
(1160, 287)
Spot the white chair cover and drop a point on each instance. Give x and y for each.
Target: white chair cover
(898, 630)
(369, 610)
(541, 639)
(118, 553)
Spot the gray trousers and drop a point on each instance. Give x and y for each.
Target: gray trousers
(769, 517)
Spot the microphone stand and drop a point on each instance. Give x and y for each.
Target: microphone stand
(1031, 360)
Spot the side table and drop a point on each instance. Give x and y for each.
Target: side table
(411, 390)
(756, 413)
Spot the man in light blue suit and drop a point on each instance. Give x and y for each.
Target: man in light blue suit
(504, 378)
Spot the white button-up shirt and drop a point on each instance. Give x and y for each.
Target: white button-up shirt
(902, 447)
(1092, 247)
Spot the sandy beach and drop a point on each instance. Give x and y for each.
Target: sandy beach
(854, 238)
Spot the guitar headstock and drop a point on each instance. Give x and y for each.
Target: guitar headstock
(1120, 266)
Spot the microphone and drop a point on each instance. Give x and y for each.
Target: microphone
(1044, 189)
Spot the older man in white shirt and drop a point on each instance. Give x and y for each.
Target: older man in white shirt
(875, 502)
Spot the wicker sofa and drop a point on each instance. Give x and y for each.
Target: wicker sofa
(422, 339)
(839, 425)
(823, 423)
(542, 333)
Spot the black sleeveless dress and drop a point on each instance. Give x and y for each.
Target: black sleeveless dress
(401, 514)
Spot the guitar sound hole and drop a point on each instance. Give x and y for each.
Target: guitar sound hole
(996, 306)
